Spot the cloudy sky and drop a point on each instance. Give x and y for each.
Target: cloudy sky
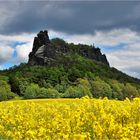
(113, 26)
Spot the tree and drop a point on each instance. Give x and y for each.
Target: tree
(130, 91)
(84, 82)
(52, 93)
(101, 89)
(5, 91)
(32, 91)
(22, 86)
(77, 92)
(74, 74)
(14, 82)
(117, 89)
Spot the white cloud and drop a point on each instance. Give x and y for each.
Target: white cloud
(1, 67)
(83, 39)
(7, 49)
(23, 51)
(127, 59)
(116, 37)
(6, 53)
(24, 37)
(110, 38)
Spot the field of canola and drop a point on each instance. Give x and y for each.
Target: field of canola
(70, 119)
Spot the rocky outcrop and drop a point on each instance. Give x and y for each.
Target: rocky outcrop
(44, 52)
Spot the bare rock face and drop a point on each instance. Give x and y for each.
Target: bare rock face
(45, 53)
(37, 56)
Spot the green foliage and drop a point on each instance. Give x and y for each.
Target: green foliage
(70, 76)
(52, 93)
(130, 91)
(117, 90)
(14, 82)
(77, 92)
(22, 86)
(58, 41)
(73, 74)
(4, 78)
(5, 91)
(84, 82)
(101, 89)
(34, 91)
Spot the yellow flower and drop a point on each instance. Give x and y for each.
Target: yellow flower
(75, 119)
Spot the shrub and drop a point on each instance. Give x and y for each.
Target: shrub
(101, 89)
(52, 93)
(5, 91)
(34, 91)
(130, 91)
(47, 93)
(77, 92)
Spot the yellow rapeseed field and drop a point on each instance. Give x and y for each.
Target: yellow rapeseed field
(70, 119)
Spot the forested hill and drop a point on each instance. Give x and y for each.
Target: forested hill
(60, 69)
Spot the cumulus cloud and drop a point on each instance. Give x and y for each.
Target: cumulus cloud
(127, 59)
(15, 48)
(9, 39)
(6, 53)
(23, 51)
(109, 39)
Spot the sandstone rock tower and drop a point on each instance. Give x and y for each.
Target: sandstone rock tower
(44, 52)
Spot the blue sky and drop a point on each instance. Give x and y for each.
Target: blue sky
(112, 26)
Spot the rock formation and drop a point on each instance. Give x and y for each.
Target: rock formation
(44, 52)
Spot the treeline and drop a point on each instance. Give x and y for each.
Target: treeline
(72, 76)
(97, 89)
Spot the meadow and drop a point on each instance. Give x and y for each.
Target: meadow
(70, 119)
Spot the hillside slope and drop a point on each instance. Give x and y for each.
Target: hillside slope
(60, 69)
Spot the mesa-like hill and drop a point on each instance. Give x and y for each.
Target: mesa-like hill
(60, 69)
(46, 52)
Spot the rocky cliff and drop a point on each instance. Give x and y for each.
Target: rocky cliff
(45, 52)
